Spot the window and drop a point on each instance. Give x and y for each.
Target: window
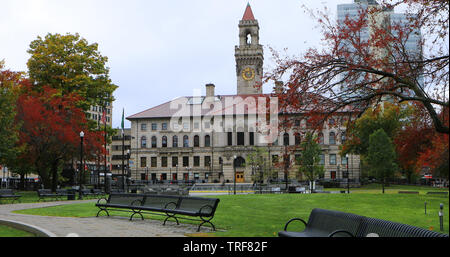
(230, 138)
(196, 141)
(154, 126)
(332, 138)
(274, 159)
(175, 141)
(320, 138)
(143, 162)
(164, 126)
(143, 142)
(322, 159)
(207, 141)
(164, 141)
(207, 161)
(332, 159)
(185, 141)
(344, 160)
(153, 162)
(286, 139)
(297, 123)
(153, 142)
(331, 121)
(297, 138)
(174, 161)
(251, 138)
(343, 137)
(164, 161)
(143, 127)
(185, 161)
(196, 161)
(240, 138)
(196, 125)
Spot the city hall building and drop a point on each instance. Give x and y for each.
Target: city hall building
(209, 138)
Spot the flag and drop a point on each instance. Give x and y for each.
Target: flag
(104, 116)
(123, 113)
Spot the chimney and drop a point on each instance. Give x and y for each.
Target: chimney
(210, 90)
(278, 87)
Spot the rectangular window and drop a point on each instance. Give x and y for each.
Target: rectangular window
(164, 126)
(143, 162)
(185, 161)
(174, 161)
(322, 159)
(164, 161)
(207, 161)
(344, 160)
(252, 138)
(143, 127)
(240, 138)
(230, 138)
(154, 126)
(332, 159)
(196, 161)
(153, 162)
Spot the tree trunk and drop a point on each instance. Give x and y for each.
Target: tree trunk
(54, 172)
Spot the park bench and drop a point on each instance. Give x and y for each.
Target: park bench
(408, 192)
(437, 193)
(8, 194)
(168, 205)
(329, 223)
(47, 193)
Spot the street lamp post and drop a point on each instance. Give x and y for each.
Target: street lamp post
(348, 176)
(80, 195)
(128, 164)
(234, 169)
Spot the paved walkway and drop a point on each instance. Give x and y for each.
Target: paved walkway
(102, 226)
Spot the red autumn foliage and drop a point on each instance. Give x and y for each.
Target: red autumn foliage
(50, 130)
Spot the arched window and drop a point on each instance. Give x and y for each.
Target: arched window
(153, 142)
(143, 142)
(207, 141)
(321, 138)
(248, 38)
(174, 141)
(298, 139)
(196, 141)
(185, 141)
(332, 138)
(239, 162)
(164, 141)
(286, 139)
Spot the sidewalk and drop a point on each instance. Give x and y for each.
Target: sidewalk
(102, 226)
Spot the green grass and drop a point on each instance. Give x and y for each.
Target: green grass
(7, 231)
(265, 215)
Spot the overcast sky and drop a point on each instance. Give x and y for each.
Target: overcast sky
(160, 50)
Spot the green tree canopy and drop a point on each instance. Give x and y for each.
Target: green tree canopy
(69, 64)
(381, 156)
(310, 157)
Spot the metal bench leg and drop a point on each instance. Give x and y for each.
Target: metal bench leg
(136, 212)
(101, 209)
(170, 216)
(206, 221)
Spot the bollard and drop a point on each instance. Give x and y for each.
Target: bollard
(441, 216)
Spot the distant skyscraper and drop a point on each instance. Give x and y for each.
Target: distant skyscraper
(353, 11)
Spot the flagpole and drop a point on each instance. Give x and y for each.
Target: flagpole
(104, 171)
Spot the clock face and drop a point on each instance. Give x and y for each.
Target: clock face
(248, 73)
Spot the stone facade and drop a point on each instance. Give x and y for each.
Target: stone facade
(209, 138)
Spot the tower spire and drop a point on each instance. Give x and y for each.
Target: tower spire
(248, 14)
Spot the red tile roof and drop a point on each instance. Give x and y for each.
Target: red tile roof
(248, 14)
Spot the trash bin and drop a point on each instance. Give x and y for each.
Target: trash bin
(71, 194)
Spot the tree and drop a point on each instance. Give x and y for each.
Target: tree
(310, 158)
(50, 129)
(69, 64)
(354, 73)
(381, 156)
(8, 129)
(257, 160)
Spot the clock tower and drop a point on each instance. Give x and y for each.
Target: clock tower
(249, 56)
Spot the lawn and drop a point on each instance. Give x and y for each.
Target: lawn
(7, 231)
(264, 215)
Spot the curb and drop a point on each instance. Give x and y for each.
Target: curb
(40, 232)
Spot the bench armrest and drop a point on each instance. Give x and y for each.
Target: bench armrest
(207, 205)
(285, 226)
(98, 201)
(340, 231)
